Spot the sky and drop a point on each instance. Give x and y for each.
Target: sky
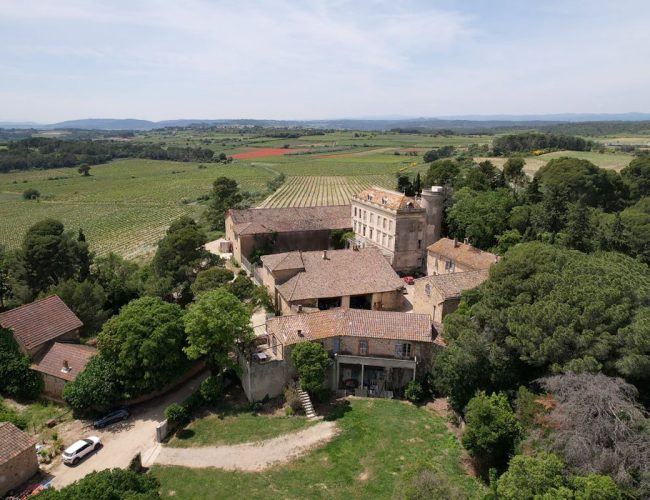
(317, 59)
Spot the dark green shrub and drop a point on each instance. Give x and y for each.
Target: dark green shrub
(414, 392)
(177, 414)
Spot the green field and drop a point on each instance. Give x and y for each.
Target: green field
(612, 161)
(235, 427)
(381, 446)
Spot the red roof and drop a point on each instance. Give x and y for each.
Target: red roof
(51, 362)
(13, 442)
(39, 322)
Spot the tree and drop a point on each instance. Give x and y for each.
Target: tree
(311, 361)
(31, 194)
(210, 279)
(48, 256)
(441, 173)
(548, 310)
(513, 170)
(579, 230)
(637, 177)
(480, 216)
(120, 279)
(16, 378)
(145, 343)
(109, 484)
(179, 256)
(216, 324)
(417, 185)
(97, 386)
(225, 195)
(87, 300)
(633, 232)
(491, 430)
(84, 169)
(600, 427)
(542, 476)
(404, 185)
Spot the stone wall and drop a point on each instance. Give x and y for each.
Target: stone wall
(260, 380)
(436, 264)
(53, 387)
(18, 470)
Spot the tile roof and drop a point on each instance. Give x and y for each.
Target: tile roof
(283, 261)
(387, 198)
(39, 322)
(453, 284)
(351, 323)
(463, 253)
(13, 442)
(288, 219)
(51, 362)
(344, 272)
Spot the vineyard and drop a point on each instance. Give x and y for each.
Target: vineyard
(311, 191)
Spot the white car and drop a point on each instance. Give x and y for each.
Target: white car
(80, 449)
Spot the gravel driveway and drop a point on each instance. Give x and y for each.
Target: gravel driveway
(249, 456)
(124, 440)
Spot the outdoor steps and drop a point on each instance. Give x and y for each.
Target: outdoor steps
(305, 401)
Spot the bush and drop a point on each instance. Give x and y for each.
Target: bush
(288, 411)
(414, 392)
(311, 361)
(8, 414)
(16, 378)
(31, 194)
(193, 402)
(110, 484)
(427, 485)
(211, 389)
(177, 414)
(291, 397)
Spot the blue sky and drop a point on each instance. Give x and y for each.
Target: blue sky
(159, 59)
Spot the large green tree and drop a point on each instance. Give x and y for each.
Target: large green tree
(121, 280)
(210, 279)
(216, 324)
(491, 431)
(442, 173)
(546, 310)
(225, 195)
(480, 215)
(180, 255)
(48, 256)
(637, 177)
(145, 343)
(97, 386)
(16, 378)
(87, 300)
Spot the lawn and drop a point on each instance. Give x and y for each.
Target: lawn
(612, 161)
(236, 427)
(381, 446)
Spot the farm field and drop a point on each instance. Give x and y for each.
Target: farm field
(368, 459)
(313, 191)
(124, 206)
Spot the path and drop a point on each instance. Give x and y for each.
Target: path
(250, 456)
(124, 440)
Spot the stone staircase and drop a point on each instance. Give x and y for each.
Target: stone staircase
(305, 401)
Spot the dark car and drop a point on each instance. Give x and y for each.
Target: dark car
(111, 417)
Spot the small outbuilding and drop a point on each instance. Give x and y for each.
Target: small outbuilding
(18, 460)
(60, 364)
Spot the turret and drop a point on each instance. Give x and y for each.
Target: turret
(432, 201)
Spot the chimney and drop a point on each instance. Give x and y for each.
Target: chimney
(466, 241)
(299, 308)
(324, 254)
(300, 333)
(66, 367)
(455, 243)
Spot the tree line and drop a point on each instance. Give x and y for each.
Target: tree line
(46, 153)
(526, 142)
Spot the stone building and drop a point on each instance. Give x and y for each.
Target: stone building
(48, 331)
(18, 461)
(439, 295)
(284, 229)
(352, 278)
(451, 256)
(400, 226)
(374, 353)
(60, 364)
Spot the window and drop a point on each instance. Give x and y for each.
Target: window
(363, 347)
(403, 350)
(369, 197)
(390, 225)
(355, 211)
(427, 290)
(364, 230)
(383, 239)
(384, 223)
(364, 215)
(384, 201)
(372, 217)
(370, 233)
(450, 266)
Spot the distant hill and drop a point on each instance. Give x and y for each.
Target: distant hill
(466, 124)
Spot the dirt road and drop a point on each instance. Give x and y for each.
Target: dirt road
(124, 440)
(250, 456)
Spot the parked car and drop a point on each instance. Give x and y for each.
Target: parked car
(409, 280)
(80, 449)
(111, 417)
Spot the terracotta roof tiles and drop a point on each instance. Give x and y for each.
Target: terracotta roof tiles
(51, 362)
(452, 285)
(463, 253)
(387, 198)
(13, 442)
(290, 219)
(352, 323)
(39, 322)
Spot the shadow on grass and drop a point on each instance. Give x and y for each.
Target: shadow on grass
(183, 434)
(336, 409)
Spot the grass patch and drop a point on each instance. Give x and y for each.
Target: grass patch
(233, 428)
(383, 444)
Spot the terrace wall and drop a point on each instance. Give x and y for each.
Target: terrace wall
(18, 470)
